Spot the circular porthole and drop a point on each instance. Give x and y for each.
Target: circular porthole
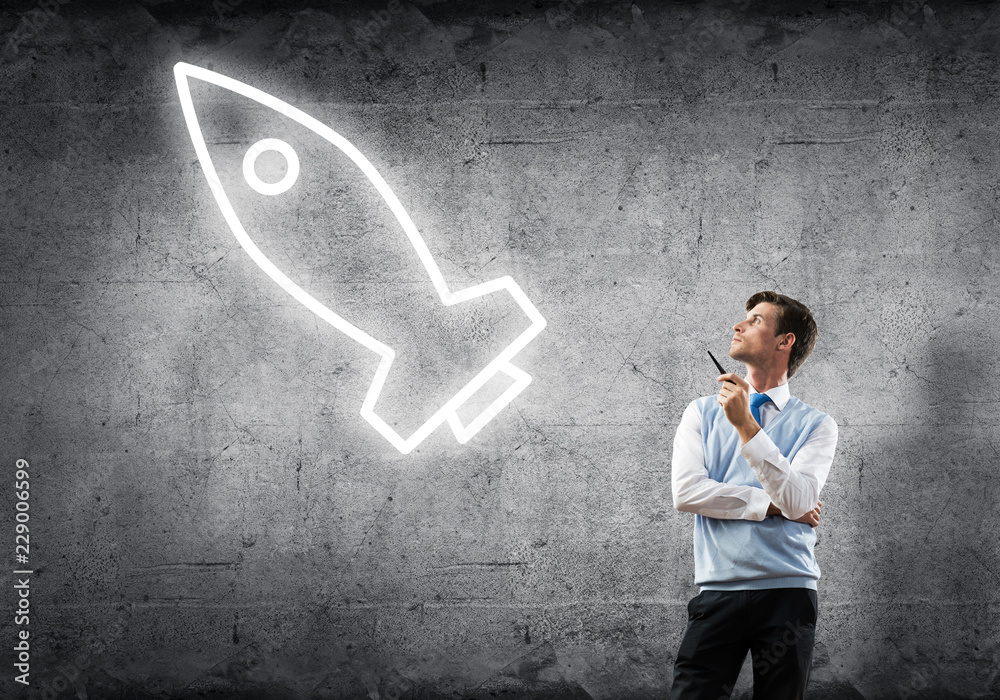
(291, 170)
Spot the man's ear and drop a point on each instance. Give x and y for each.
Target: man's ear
(787, 342)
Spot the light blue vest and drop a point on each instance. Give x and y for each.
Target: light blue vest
(748, 554)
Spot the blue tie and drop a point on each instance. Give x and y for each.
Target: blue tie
(756, 401)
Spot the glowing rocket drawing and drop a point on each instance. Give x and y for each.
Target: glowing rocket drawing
(501, 364)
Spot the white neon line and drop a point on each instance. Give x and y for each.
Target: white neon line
(521, 380)
(501, 363)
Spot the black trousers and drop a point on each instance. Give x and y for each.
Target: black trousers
(777, 626)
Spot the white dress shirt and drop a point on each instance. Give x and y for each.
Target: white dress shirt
(792, 486)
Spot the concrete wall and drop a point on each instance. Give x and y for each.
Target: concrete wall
(211, 516)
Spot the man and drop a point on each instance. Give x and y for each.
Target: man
(750, 462)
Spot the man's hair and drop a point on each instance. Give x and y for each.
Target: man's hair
(791, 317)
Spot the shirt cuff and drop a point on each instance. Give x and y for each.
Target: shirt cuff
(756, 508)
(759, 449)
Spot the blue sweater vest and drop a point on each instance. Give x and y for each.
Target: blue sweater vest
(749, 554)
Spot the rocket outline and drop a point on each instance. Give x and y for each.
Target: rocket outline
(448, 412)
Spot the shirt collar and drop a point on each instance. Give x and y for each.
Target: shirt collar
(779, 395)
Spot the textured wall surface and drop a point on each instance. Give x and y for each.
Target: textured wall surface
(211, 516)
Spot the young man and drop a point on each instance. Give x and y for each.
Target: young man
(750, 463)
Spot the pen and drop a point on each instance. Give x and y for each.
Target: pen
(721, 370)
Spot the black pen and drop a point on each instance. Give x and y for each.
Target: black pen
(721, 370)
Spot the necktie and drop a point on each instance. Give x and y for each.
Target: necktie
(756, 401)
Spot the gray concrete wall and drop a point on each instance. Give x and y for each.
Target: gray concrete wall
(211, 516)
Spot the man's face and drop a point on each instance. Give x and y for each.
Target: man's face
(755, 339)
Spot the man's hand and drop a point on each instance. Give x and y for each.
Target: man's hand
(811, 518)
(734, 397)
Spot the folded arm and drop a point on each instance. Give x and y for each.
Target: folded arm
(695, 492)
(791, 490)
(793, 486)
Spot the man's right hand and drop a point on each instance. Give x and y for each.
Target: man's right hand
(811, 518)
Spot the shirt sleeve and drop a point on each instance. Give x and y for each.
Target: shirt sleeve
(695, 492)
(793, 486)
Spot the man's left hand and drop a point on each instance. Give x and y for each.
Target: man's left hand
(734, 398)
(811, 518)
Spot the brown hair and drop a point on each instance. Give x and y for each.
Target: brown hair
(791, 317)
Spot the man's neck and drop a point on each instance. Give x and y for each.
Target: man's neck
(763, 379)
